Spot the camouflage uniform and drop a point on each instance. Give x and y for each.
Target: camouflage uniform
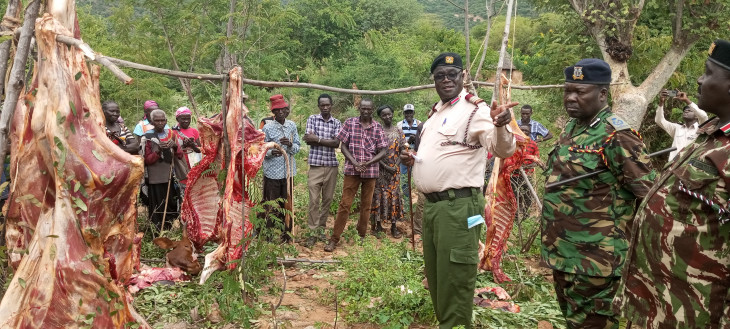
(584, 223)
(677, 274)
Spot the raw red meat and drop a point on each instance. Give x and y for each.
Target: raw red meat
(501, 204)
(502, 303)
(149, 275)
(199, 209)
(202, 199)
(84, 245)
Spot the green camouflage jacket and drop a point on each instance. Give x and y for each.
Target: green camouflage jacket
(677, 274)
(584, 223)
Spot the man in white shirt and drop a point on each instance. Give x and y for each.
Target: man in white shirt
(682, 134)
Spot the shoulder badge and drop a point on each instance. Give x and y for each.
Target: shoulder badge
(617, 123)
(474, 99)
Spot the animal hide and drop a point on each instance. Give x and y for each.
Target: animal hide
(84, 244)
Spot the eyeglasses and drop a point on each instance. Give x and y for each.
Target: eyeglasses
(441, 77)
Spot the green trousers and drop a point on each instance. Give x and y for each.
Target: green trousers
(450, 255)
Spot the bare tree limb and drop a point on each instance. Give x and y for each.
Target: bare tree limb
(172, 73)
(17, 73)
(92, 55)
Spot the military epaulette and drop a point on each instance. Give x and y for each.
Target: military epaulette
(617, 123)
(474, 99)
(433, 110)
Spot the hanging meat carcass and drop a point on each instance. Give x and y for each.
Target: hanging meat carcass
(199, 209)
(501, 204)
(202, 199)
(84, 244)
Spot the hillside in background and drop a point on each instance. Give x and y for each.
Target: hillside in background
(453, 17)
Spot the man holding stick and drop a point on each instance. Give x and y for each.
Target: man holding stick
(278, 175)
(160, 146)
(585, 224)
(452, 156)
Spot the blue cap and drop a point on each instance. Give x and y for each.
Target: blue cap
(590, 71)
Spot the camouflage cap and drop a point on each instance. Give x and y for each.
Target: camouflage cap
(720, 53)
(590, 71)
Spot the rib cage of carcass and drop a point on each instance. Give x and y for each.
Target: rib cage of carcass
(208, 215)
(71, 212)
(501, 204)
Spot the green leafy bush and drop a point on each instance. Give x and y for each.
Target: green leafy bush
(383, 286)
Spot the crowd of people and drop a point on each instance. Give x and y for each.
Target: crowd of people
(168, 154)
(621, 237)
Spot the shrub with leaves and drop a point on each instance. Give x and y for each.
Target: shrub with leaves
(383, 286)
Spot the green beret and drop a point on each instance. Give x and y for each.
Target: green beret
(446, 59)
(720, 53)
(590, 71)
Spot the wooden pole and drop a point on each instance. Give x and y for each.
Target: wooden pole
(243, 195)
(9, 23)
(502, 51)
(486, 37)
(224, 111)
(410, 207)
(167, 195)
(17, 74)
(466, 34)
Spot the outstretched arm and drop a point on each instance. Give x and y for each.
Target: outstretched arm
(659, 117)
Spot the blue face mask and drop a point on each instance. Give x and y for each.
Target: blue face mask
(474, 221)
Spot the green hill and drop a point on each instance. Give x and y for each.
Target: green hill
(453, 17)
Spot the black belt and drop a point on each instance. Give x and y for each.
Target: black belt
(458, 193)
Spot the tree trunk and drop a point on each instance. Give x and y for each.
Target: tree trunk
(630, 102)
(228, 59)
(184, 82)
(17, 75)
(13, 17)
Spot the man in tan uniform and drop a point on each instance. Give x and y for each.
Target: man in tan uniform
(452, 157)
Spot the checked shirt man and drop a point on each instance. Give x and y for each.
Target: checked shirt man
(321, 135)
(363, 145)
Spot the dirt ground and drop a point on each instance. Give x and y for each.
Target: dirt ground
(302, 305)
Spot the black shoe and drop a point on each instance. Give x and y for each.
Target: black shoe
(395, 232)
(311, 241)
(330, 247)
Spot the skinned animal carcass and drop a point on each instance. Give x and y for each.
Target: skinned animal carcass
(501, 203)
(199, 209)
(84, 244)
(202, 199)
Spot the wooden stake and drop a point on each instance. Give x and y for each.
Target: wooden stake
(167, 195)
(17, 74)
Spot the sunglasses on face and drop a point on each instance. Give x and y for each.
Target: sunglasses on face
(451, 76)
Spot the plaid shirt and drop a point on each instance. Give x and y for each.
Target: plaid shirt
(363, 144)
(275, 166)
(322, 155)
(536, 129)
